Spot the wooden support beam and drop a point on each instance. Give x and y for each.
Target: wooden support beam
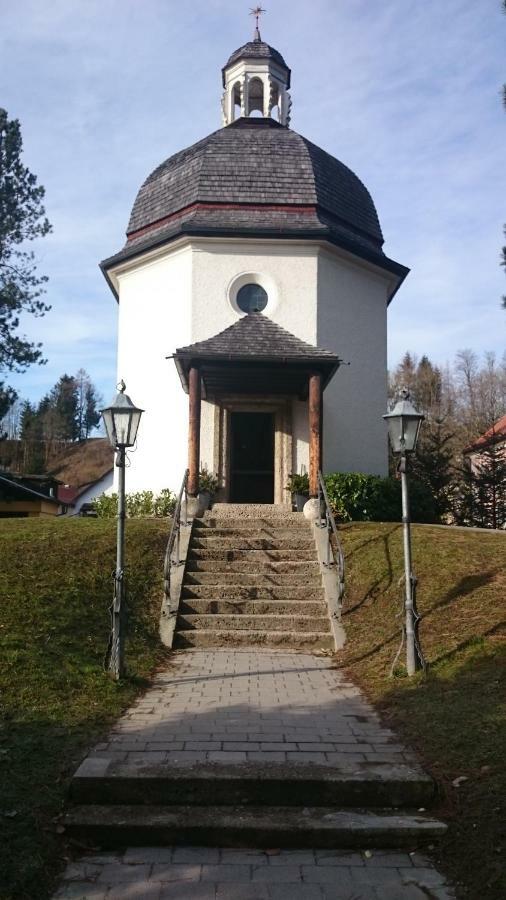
(315, 436)
(194, 385)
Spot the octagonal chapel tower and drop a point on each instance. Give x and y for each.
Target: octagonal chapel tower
(253, 268)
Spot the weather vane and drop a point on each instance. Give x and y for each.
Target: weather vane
(257, 12)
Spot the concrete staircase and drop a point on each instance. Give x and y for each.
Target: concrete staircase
(252, 578)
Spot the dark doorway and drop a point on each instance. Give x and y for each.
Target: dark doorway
(252, 457)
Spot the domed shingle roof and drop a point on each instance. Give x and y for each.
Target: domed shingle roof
(257, 162)
(255, 178)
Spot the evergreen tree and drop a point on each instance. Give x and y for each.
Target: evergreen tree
(22, 219)
(64, 401)
(32, 439)
(92, 413)
(489, 486)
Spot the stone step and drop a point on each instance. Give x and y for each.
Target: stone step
(255, 623)
(240, 592)
(268, 532)
(252, 511)
(253, 556)
(320, 827)
(310, 640)
(298, 523)
(227, 606)
(249, 566)
(208, 573)
(100, 780)
(246, 543)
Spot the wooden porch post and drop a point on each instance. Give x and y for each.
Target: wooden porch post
(315, 421)
(194, 431)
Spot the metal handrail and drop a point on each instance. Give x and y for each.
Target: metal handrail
(174, 536)
(327, 521)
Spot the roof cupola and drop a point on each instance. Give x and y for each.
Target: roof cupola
(256, 82)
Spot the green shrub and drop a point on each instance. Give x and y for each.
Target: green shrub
(369, 498)
(298, 484)
(138, 504)
(208, 483)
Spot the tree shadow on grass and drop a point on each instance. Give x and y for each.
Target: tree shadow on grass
(383, 582)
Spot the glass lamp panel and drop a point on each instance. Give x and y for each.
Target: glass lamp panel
(395, 433)
(122, 426)
(135, 417)
(411, 427)
(109, 425)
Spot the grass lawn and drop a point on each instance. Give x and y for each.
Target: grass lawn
(55, 590)
(455, 716)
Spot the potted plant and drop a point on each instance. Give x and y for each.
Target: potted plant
(208, 485)
(298, 485)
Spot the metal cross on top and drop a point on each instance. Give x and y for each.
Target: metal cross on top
(257, 12)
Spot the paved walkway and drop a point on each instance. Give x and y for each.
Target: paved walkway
(235, 706)
(208, 873)
(264, 706)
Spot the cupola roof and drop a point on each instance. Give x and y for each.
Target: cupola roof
(256, 49)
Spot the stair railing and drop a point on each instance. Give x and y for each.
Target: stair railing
(335, 551)
(172, 552)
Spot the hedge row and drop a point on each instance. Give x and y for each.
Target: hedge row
(369, 498)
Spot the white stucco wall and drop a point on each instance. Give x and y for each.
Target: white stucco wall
(155, 319)
(182, 295)
(352, 321)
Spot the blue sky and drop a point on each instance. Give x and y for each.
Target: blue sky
(406, 93)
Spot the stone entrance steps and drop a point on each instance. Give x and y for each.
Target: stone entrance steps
(252, 580)
(251, 806)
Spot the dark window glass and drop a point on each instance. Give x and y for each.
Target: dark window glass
(252, 298)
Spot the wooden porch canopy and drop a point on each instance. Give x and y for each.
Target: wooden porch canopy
(255, 356)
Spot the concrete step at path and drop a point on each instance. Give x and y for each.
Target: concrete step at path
(245, 542)
(253, 622)
(250, 565)
(203, 575)
(216, 638)
(253, 556)
(214, 778)
(240, 592)
(320, 827)
(210, 606)
(297, 525)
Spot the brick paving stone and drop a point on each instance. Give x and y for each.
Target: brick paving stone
(81, 891)
(338, 858)
(197, 855)
(272, 874)
(227, 872)
(176, 872)
(139, 890)
(296, 892)
(232, 891)
(184, 890)
(118, 872)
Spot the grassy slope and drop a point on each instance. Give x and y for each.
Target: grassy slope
(455, 716)
(55, 590)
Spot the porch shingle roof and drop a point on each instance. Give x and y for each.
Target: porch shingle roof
(256, 339)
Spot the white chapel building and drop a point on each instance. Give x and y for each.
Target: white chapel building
(253, 270)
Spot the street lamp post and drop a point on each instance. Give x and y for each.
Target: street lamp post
(404, 423)
(121, 420)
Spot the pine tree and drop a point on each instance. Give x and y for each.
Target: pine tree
(22, 219)
(489, 486)
(91, 414)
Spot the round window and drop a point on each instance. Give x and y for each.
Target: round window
(252, 298)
